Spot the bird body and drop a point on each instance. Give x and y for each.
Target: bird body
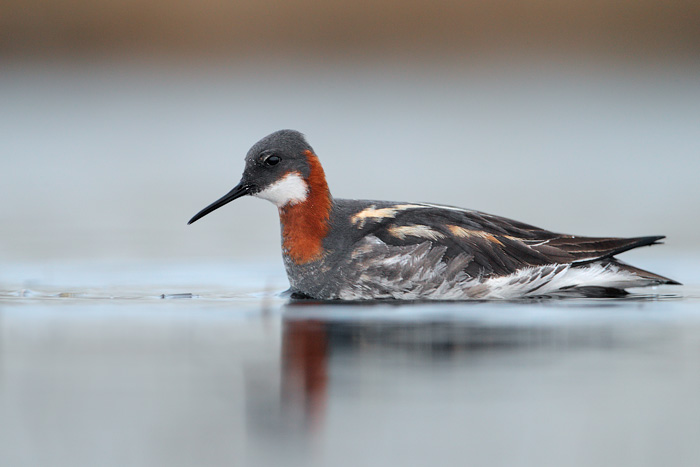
(362, 249)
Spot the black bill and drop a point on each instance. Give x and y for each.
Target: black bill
(239, 190)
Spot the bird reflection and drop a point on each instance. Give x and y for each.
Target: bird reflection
(313, 346)
(304, 368)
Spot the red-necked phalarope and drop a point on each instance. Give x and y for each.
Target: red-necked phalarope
(359, 249)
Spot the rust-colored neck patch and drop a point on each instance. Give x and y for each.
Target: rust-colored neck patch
(305, 224)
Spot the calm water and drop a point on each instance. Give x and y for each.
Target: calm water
(95, 370)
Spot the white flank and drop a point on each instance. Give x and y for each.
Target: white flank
(545, 280)
(421, 272)
(291, 189)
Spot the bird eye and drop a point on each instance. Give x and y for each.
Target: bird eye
(272, 160)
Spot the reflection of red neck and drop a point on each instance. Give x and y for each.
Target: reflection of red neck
(305, 224)
(304, 363)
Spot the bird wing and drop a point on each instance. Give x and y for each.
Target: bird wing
(494, 245)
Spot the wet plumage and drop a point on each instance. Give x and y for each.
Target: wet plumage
(362, 249)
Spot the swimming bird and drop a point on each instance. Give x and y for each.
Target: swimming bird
(361, 249)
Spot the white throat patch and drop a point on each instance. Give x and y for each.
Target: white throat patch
(290, 189)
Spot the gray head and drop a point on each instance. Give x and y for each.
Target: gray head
(276, 168)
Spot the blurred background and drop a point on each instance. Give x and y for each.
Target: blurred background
(119, 120)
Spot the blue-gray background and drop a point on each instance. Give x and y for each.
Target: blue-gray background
(109, 159)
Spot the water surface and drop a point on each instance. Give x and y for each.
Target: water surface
(97, 371)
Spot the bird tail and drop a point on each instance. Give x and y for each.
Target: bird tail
(605, 278)
(648, 277)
